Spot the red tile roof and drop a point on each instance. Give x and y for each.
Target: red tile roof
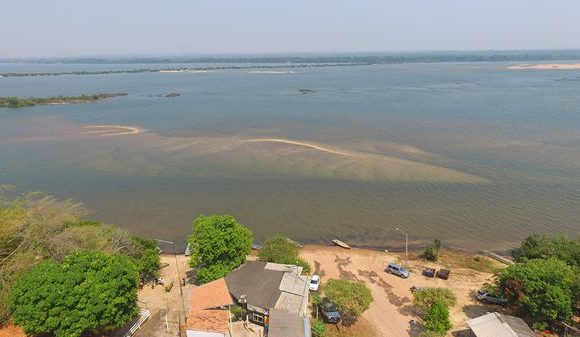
(210, 295)
(204, 303)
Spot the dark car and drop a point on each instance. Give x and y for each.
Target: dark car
(487, 297)
(429, 272)
(443, 274)
(329, 311)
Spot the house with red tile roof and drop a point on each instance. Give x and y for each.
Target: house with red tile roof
(209, 310)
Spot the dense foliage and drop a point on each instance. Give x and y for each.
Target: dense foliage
(88, 290)
(543, 288)
(351, 297)
(279, 249)
(431, 252)
(219, 244)
(541, 246)
(425, 298)
(437, 319)
(36, 226)
(16, 102)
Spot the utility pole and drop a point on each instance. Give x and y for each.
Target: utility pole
(406, 244)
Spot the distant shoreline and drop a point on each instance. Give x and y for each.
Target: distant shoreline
(18, 102)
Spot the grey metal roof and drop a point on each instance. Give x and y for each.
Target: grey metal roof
(260, 285)
(294, 297)
(499, 325)
(285, 324)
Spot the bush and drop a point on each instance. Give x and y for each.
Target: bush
(431, 252)
(351, 297)
(437, 319)
(219, 244)
(318, 328)
(279, 249)
(426, 298)
(540, 246)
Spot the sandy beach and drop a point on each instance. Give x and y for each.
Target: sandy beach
(391, 295)
(546, 66)
(112, 130)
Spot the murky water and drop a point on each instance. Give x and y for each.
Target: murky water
(475, 154)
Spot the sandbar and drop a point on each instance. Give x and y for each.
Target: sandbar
(546, 66)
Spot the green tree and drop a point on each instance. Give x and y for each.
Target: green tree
(279, 249)
(219, 244)
(541, 246)
(437, 319)
(88, 290)
(351, 297)
(425, 298)
(146, 258)
(543, 288)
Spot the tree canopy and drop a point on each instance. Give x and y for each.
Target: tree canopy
(543, 288)
(437, 319)
(541, 246)
(37, 226)
(425, 298)
(219, 244)
(279, 249)
(351, 297)
(88, 290)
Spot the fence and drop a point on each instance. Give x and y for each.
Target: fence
(144, 315)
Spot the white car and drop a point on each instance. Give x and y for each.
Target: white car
(314, 283)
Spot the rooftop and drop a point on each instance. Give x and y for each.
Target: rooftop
(285, 324)
(204, 307)
(211, 295)
(261, 286)
(499, 325)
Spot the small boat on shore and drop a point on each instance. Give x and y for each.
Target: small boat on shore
(340, 244)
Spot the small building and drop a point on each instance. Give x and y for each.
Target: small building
(209, 310)
(267, 288)
(498, 325)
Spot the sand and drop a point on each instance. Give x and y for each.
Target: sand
(307, 145)
(546, 66)
(112, 130)
(392, 308)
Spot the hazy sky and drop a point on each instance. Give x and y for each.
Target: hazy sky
(37, 28)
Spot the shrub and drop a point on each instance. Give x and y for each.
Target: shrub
(318, 328)
(279, 249)
(431, 252)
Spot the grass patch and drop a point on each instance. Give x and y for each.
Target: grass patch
(478, 262)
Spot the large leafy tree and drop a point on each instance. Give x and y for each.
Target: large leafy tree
(541, 246)
(88, 290)
(219, 244)
(543, 287)
(352, 297)
(424, 299)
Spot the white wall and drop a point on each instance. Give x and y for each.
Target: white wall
(191, 333)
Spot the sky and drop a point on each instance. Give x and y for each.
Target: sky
(72, 28)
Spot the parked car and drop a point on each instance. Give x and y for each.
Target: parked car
(396, 269)
(429, 272)
(414, 289)
(329, 311)
(487, 297)
(443, 274)
(314, 283)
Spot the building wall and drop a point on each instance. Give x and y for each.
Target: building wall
(191, 333)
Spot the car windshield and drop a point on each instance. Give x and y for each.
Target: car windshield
(329, 307)
(313, 281)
